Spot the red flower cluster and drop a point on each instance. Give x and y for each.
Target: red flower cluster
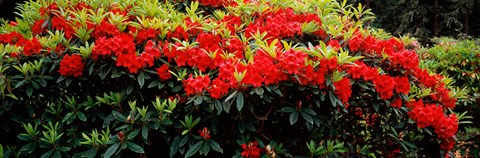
(384, 86)
(60, 23)
(146, 34)
(196, 85)
(71, 66)
(13, 38)
(281, 23)
(432, 115)
(251, 150)
(32, 47)
(361, 71)
(343, 89)
(38, 27)
(163, 73)
(292, 61)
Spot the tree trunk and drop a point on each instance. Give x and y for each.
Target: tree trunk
(436, 20)
(465, 24)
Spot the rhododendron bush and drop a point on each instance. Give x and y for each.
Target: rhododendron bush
(238, 78)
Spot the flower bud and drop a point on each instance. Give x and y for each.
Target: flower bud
(120, 135)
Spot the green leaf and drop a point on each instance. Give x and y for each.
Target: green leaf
(307, 117)
(226, 106)
(175, 145)
(198, 100)
(67, 116)
(215, 146)
(259, 90)
(30, 147)
(177, 88)
(219, 106)
(135, 148)
(194, 149)
(145, 132)
(205, 148)
(29, 91)
(288, 109)
(239, 101)
(293, 117)
(47, 154)
(111, 150)
(57, 154)
(119, 116)
(81, 116)
(153, 84)
(309, 111)
(376, 107)
(141, 79)
(133, 134)
(90, 153)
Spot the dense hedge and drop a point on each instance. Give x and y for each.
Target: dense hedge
(243, 78)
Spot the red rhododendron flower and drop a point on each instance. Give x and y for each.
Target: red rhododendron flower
(292, 61)
(49, 10)
(334, 44)
(359, 70)
(163, 72)
(105, 29)
(397, 103)
(12, 38)
(343, 89)
(251, 150)
(146, 34)
(406, 59)
(38, 27)
(232, 21)
(71, 65)
(384, 86)
(204, 133)
(32, 47)
(447, 144)
(130, 61)
(402, 85)
(59, 23)
(196, 85)
(178, 33)
(355, 42)
(218, 88)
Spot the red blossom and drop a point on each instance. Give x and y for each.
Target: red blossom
(355, 42)
(130, 61)
(292, 61)
(38, 27)
(402, 85)
(32, 47)
(397, 103)
(218, 88)
(384, 85)
(146, 34)
(251, 150)
(334, 44)
(204, 133)
(343, 89)
(163, 73)
(196, 85)
(60, 23)
(71, 65)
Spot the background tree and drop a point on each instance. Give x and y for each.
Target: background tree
(424, 19)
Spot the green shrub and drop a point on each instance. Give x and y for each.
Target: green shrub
(459, 59)
(244, 78)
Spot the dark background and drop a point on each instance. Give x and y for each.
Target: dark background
(7, 8)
